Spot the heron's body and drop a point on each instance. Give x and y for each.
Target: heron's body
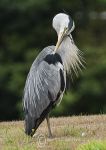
(46, 81)
(46, 71)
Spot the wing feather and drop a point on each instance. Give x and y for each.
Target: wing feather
(42, 87)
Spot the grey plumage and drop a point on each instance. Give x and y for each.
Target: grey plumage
(42, 88)
(46, 80)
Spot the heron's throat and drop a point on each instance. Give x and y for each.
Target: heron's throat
(71, 55)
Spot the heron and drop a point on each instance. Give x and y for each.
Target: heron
(46, 80)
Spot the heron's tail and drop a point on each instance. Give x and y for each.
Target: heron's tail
(29, 125)
(32, 122)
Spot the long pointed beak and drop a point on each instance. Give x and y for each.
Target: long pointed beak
(60, 38)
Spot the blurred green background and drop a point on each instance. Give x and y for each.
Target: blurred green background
(26, 28)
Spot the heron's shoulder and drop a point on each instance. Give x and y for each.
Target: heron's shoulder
(46, 51)
(51, 57)
(49, 48)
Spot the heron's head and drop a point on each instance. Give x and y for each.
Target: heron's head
(64, 25)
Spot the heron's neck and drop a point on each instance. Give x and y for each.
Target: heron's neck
(69, 54)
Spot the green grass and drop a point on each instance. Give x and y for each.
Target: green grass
(70, 133)
(93, 145)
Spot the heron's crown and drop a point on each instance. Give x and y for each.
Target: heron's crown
(63, 20)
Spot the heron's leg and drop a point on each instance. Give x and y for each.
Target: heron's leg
(48, 124)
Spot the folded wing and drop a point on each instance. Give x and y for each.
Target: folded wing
(42, 90)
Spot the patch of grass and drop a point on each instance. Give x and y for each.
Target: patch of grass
(68, 132)
(61, 144)
(13, 138)
(72, 131)
(94, 145)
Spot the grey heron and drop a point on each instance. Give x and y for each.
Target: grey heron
(46, 81)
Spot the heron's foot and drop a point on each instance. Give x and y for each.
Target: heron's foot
(50, 136)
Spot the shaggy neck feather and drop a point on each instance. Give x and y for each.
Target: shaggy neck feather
(70, 54)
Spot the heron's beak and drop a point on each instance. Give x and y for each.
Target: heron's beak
(60, 38)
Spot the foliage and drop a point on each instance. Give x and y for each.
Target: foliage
(25, 29)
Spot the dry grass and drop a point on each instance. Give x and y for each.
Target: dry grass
(68, 132)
